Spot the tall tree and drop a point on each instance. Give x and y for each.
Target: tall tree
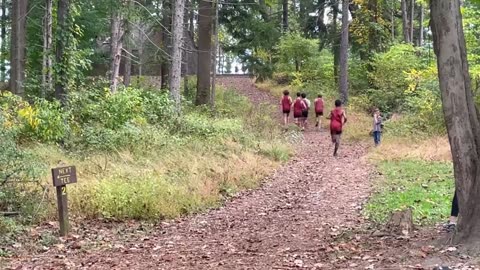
(205, 21)
(117, 31)
(412, 19)
(166, 41)
(420, 29)
(47, 83)
(406, 34)
(335, 39)
(461, 115)
(343, 82)
(176, 69)
(63, 12)
(285, 15)
(392, 18)
(18, 46)
(3, 37)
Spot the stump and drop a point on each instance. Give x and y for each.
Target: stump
(401, 222)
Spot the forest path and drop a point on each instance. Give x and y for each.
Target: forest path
(288, 223)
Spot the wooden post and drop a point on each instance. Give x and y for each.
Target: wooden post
(62, 201)
(61, 178)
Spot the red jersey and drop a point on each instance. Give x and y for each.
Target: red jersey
(286, 103)
(318, 105)
(299, 106)
(336, 122)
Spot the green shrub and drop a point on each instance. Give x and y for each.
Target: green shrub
(389, 76)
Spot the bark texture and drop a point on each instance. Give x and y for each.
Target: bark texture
(62, 30)
(420, 29)
(285, 15)
(343, 82)
(412, 19)
(406, 34)
(205, 23)
(116, 46)
(18, 46)
(461, 115)
(4, 53)
(47, 47)
(176, 68)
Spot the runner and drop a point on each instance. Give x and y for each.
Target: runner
(305, 110)
(286, 103)
(318, 111)
(338, 118)
(298, 107)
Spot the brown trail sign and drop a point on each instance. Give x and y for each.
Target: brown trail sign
(62, 177)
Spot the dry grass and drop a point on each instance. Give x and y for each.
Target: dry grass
(431, 149)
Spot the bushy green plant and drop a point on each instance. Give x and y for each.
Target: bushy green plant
(45, 121)
(389, 76)
(295, 50)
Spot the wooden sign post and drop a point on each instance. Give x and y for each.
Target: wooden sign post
(61, 178)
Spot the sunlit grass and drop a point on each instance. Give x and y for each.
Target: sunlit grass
(426, 187)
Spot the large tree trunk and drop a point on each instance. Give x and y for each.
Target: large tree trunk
(205, 20)
(116, 46)
(166, 42)
(412, 19)
(3, 36)
(322, 28)
(285, 15)
(461, 115)
(420, 29)
(62, 43)
(392, 19)
(406, 34)
(176, 69)
(335, 40)
(214, 56)
(343, 83)
(47, 47)
(18, 46)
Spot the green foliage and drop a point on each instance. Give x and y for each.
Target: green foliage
(426, 187)
(296, 50)
(389, 76)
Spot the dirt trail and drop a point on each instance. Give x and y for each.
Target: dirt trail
(288, 223)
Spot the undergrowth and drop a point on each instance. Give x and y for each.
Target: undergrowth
(135, 159)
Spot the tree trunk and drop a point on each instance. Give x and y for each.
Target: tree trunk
(116, 45)
(3, 36)
(322, 28)
(420, 29)
(176, 68)
(285, 15)
(205, 14)
(406, 35)
(166, 42)
(461, 115)
(335, 41)
(412, 19)
(343, 84)
(62, 43)
(18, 46)
(47, 48)
(214, 56)
(392, 20)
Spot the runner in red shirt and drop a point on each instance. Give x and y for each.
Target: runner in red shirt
(298, 108)
(286, 104)
(318, 103)
(338, 118)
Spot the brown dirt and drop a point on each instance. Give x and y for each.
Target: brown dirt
(306, 215)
